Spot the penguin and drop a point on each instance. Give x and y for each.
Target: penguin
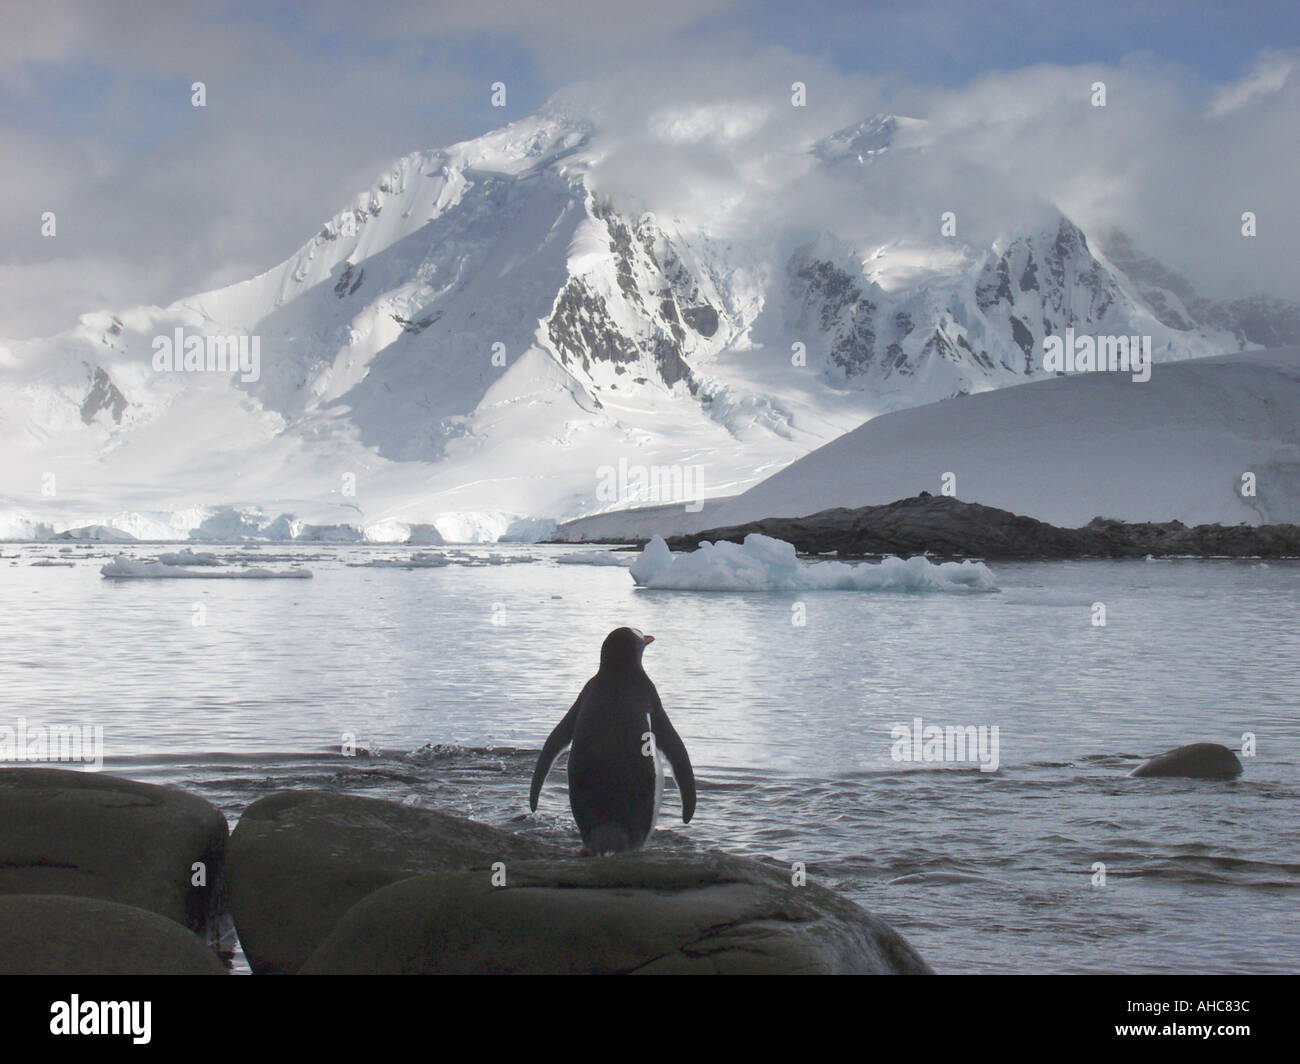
(619, 734)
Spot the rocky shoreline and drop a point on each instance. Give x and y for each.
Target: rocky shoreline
(104, 875)
(101, 875)
(946, 527)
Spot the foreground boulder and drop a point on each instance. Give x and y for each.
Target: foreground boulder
(52, 934)
(92, 835)
(1202, 761)
(299, 860)
(644, 913)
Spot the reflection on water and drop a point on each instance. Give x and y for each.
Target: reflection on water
(788, 725)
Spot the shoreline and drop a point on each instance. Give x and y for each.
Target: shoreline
(946, 527)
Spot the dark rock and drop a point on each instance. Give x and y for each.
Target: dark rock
(832, 298)
(703, 319)
(92, 835)
(1201, 761)
(948, 527)
(415, 326)
(103, 395)
(298, 860)
(52, 934)
(645, 913)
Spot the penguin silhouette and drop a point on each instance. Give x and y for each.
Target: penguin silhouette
(618, 730)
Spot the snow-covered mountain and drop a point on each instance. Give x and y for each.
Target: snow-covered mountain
(485, 341)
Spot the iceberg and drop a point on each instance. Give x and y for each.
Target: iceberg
(762, 563)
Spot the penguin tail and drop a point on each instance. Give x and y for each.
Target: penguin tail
(606, 839)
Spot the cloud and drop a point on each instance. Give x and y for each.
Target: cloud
(1158, 162)
(1155, 161)
(567, 40)
(1269, 76)
(308, 104)
(155, 198)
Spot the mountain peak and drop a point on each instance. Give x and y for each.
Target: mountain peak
(480, 332)
(863, 141)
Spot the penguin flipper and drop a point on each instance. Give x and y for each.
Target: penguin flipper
(672, 747)
(556, 743)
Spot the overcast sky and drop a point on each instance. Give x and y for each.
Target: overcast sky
(307, 103)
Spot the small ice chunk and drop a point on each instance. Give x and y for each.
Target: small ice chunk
(597, 557)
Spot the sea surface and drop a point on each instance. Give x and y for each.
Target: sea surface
(446, 681)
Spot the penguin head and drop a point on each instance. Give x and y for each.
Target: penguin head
(623, 648)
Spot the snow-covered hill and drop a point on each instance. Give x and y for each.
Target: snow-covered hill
(485, 342)
(1176, 447)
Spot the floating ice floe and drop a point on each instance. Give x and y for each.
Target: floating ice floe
(437, 559)
(596, 557)
(189, 557)
(766, 564)
(123, 567)
(419, 560)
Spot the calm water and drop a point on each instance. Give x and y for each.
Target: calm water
(454, 677)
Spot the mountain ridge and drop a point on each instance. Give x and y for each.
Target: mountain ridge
(475, 336)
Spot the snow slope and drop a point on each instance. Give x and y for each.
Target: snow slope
(1074, 448)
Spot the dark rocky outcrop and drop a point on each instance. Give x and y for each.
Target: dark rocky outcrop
(103, 396)
(703, 319)
(643, 913)
(53, 934)
(298, 860)
(948, 527)
(91, 835)
(1202, 761)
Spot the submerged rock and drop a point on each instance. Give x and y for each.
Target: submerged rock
(298, 860)
(52, 934)
(1202, 761)
(92, 835)
(643, 913)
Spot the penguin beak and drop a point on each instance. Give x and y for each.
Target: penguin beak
(649, 639)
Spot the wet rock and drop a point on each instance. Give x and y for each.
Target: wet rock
(299, 860)
(643, 913)
(92, 835)
(53, 934)
(1202, 761)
